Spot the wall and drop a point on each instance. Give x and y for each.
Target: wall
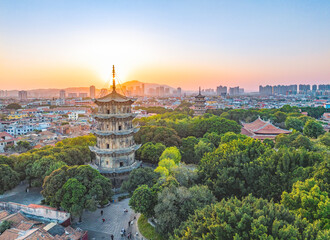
(37, 210)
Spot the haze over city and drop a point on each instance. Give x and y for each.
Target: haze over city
(60, 44)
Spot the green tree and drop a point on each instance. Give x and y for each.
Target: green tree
(313, 129)
(144, 200)
(150, 152)
(269, 142)
(295, 123)
(176, 204)
(325, 139)
(201, 148)
(13, 106)
(249, 218)
(213, 137)
(280, 117)
(4, 226)
(185, 176)
(73, 198)
(158, 134)
(307, 200)
(9, 178)
(231, 170)
(171, 153)
(165, 167)
(98, 187)
(140, 176)
(187, 149)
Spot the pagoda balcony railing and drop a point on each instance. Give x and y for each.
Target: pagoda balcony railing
(117, 115)
(100, 132)
(135, 165)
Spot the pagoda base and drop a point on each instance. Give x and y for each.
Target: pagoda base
(117, 175)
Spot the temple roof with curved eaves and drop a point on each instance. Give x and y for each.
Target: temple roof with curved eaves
(114, 96)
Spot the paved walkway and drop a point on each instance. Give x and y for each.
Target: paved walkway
(19, 195)
(115, 220)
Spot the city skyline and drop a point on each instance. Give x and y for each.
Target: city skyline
(246, 44)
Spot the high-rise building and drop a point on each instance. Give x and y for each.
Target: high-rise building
(178, 91)
(92, 92)
(279, 89)
(22, 95)
(143, 90)
(304, 88)
(266, 90)
(314, 88)
(161, 91)
(115, 147)
(83, 95)
(72, 95)
(3, 93)
(324, 87)
(221, 90)
(167, 91)
(62, 94)
(234, 91)
(199, 104)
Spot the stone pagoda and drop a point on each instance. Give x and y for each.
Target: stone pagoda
(199, 104)
(115, 147)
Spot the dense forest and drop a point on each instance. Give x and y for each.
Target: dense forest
(211, 182)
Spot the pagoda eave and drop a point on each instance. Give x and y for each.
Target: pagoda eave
(114, 151)
(118, 116)
(118, 133)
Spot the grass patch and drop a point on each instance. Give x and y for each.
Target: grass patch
(147, 230)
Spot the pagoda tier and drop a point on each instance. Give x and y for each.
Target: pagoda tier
(110, 116)
(116, 152)
(117, 133)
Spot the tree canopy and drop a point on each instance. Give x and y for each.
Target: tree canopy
(249, 218)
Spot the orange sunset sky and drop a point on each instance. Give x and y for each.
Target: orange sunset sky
(59, 44)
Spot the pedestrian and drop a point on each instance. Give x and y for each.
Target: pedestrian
(129, 222)
(112, 236)
(101, 212)
(103, 220)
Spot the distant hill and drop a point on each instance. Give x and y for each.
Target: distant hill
(55, 92)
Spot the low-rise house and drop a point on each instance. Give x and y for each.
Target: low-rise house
(37, 222)
(6, 140)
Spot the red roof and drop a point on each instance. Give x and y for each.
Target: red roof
(40, 206)
(260, 129)
(246, 132)
(271, 129)
(257, 124)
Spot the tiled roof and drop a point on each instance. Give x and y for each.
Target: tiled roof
(16, 219)
(263, 137)
(3, 214)
(246, 132)
(257, 124)
(114, 96)
(271, 129)
(10, 234)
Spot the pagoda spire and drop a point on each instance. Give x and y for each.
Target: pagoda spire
(199, 90)
(113, 79)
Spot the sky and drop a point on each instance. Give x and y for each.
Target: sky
(181, 43)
